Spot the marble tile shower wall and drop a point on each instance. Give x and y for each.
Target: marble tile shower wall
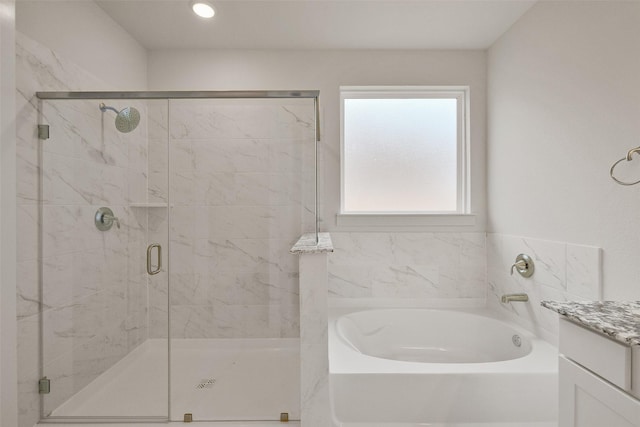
(563, 272)
(241, 190)
(94, 289)
(407, 267)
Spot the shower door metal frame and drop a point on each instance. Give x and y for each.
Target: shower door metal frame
(192, 94)
(168, 95)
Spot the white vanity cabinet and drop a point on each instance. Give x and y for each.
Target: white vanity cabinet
(599, 380)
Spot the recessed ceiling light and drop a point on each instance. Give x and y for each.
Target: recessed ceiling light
(203, 9)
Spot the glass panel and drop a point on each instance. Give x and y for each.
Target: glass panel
(104, 351)
(242, 191)
(224, 188)
(400, 155)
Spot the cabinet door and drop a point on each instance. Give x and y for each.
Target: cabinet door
(587, 400)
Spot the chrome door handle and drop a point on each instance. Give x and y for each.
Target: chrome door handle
(150, 269)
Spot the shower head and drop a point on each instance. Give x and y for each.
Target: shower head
(127, 119)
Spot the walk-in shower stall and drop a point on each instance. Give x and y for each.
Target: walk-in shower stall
(167, 288)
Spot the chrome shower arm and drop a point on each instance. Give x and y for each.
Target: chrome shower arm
(104, 108)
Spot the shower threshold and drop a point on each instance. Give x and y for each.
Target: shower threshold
(199, 424)
(234, 382)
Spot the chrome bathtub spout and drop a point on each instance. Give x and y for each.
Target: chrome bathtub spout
(514, 297)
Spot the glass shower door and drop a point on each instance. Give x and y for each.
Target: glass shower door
(104, 347)
(242, 191)
(187, 214)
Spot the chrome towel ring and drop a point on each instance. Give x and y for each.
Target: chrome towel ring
(628, 159)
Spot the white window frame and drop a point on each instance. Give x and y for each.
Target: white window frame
(462, 216)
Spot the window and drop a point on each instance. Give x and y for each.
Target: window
(404, 150)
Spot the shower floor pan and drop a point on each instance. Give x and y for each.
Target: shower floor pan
(213, 379)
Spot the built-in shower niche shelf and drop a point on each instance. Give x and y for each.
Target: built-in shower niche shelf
(148, 205)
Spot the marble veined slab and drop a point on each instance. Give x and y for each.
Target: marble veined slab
(307, 244)
(619, 320)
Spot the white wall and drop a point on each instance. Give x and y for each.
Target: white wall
(83, 33)
(564, 104)
(326, 71)
(8, 354)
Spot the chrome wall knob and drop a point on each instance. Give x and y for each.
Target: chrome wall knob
(523, 265)
(105, 219)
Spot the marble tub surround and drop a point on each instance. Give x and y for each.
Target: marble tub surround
(406, 268)
(619, 320)
(314, 339)
(563, 272)
(307, 244)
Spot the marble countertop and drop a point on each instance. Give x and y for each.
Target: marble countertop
(619, 320)
(307, 244)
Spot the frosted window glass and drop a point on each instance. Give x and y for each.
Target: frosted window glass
(400, 155)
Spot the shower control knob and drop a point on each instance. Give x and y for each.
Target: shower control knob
(105, 219)
(523, 265)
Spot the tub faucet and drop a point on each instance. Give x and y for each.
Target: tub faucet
(523, 265)
(514, 297)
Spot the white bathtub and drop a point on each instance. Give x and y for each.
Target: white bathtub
(443, 367)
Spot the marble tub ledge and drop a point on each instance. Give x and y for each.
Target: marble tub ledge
(307, 244)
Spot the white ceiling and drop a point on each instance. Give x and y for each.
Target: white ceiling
(319, 24)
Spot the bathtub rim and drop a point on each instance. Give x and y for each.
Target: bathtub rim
(344, 359)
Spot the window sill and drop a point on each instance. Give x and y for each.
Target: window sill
(405, 220)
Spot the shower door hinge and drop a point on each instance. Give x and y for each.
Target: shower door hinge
(44, 385)
(284, 417)
(43, 131)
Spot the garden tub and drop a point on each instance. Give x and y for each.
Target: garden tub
(438, 367)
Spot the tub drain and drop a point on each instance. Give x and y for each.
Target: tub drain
(516, 340)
